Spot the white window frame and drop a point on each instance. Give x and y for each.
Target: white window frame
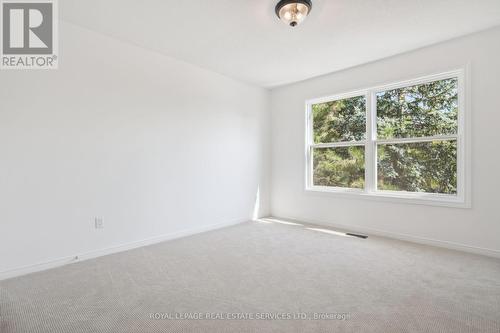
(460, 199)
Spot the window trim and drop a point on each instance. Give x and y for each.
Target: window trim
(461, 199)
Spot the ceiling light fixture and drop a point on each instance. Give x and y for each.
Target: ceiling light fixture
(293, 12)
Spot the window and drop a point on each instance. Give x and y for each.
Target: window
(339, 133)
(403, 141)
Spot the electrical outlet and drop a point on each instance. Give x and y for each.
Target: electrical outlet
(99, 223)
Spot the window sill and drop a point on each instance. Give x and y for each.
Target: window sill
(430, 199)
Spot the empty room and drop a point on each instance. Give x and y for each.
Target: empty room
(249, 166)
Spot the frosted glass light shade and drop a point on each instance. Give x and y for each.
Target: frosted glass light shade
(293, 12)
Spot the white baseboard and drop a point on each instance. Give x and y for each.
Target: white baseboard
(110, 250)
(403, 237)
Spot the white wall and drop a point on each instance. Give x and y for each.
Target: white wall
(153, 145)
(478, 228)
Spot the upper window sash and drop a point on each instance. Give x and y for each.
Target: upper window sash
(419, 110)
(340, 120)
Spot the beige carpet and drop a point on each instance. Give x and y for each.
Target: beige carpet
(261, 270)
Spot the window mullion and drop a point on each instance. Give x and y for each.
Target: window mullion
(370, 147)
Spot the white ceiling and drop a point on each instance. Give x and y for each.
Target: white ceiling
(245, 40)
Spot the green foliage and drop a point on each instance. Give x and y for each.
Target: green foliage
(342, 120)
(423, 110)
(339, 167)
(418, 167)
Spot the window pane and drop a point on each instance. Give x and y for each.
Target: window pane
(422, 110)
(339, 166)
(418, 167)
(342, 120)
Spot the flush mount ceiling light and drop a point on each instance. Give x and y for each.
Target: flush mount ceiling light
(293, 12)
